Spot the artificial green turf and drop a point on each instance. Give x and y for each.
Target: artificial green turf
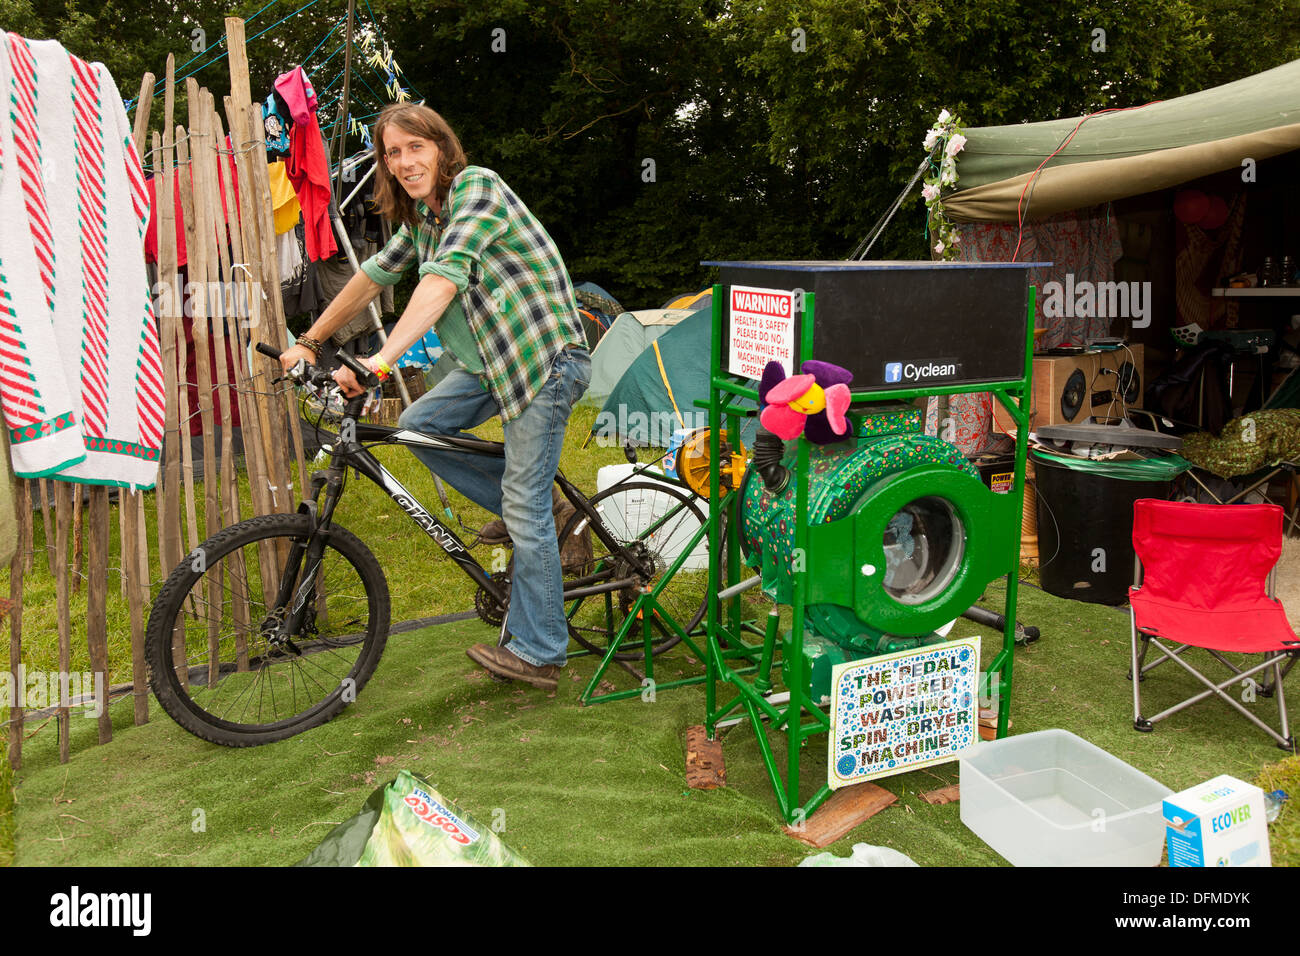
(595, 785)
(6, 806)
(1284, 833)
(603, 784)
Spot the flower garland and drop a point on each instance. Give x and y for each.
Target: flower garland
(947, 137)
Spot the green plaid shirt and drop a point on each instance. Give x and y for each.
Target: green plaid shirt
(512, 283)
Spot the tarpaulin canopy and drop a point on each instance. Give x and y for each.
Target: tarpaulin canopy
(1127, 153)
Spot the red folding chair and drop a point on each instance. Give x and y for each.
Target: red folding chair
(1209, 584)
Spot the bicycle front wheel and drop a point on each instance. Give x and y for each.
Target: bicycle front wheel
(226, 660)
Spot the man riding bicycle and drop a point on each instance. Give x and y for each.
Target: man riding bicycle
(495, 283)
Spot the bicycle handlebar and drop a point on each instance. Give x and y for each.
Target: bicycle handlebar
(365, 377)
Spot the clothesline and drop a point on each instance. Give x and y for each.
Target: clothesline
(130, 104)
(220, 40)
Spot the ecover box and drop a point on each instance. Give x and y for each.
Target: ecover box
(1217, 823)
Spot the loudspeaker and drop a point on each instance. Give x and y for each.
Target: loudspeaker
(1070, 389)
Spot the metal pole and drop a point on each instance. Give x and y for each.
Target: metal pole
(352, 195)
(346, 245)
(341, 122)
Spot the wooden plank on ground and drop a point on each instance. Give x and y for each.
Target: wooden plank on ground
(705, 768)
(97, 601)
(948, 794)
(844, 810)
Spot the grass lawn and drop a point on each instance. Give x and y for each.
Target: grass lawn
(595, 785)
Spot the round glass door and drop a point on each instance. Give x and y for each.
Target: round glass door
(924, 545)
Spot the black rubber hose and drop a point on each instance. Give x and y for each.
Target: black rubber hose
(768, 452)
(998, 621)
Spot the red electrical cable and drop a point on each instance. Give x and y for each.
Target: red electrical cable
(1020, 214)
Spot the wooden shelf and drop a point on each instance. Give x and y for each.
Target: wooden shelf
(1278, 291)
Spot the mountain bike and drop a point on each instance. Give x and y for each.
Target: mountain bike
(273, 625)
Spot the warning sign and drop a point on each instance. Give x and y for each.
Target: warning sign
(761, 330)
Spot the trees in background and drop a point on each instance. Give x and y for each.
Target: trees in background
(648, 136)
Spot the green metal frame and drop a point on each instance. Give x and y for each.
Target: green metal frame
(800, 718)
(647, 606)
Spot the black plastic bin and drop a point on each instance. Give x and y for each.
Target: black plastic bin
(1085, 521)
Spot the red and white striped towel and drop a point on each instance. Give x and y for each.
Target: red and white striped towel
(80, 370)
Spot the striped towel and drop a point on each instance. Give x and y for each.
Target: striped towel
(80, 370)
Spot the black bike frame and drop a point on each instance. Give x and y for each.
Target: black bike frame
(355, 454)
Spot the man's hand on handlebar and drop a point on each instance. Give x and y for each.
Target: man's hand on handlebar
(290, 356)
(347, 380)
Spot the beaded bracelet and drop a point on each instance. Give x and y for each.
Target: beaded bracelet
(308, 342)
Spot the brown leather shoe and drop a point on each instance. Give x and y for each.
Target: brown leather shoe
(500, 661)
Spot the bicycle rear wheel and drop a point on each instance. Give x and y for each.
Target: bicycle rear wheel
(223, 664)
(652, 524)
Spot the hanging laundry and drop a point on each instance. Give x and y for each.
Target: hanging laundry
(300, 287)
(276, 122)
(307, 165)
(298, 94)
(151, 234)
(284, 201)
(309, 171)
(80, 370)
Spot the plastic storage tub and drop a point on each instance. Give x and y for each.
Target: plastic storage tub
(1050, 798)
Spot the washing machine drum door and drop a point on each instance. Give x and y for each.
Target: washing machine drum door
(917, 550)
(924, 544)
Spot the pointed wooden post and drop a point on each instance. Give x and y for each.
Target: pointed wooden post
(182, 346)
(16, 566)
(97, 603)
(63, 518)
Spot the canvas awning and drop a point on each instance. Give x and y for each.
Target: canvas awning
(1127, 153)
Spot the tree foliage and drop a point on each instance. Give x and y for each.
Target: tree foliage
(650, 136)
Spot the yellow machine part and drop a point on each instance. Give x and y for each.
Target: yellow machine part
(693, 462)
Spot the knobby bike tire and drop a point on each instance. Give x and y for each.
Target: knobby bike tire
(215, 598)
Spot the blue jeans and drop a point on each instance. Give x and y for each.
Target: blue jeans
(517, 487)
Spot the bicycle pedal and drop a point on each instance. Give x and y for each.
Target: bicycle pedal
(500, 679)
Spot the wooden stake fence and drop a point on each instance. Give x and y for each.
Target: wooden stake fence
(230, 247)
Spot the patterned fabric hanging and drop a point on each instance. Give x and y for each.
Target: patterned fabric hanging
(81, 382)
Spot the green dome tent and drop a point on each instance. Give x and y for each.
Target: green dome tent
(621, 344)
(657, 393)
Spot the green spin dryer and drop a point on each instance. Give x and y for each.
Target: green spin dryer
(903, 537)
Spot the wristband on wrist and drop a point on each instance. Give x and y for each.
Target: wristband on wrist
(382, 368)
(306, 341)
